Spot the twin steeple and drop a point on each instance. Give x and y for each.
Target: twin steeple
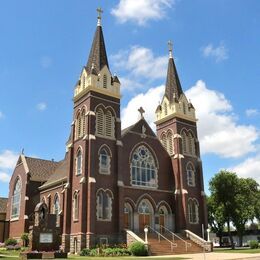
(174, 102)
(98, 55)
(96, 75)
(173, 87)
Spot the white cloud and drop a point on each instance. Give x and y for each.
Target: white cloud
(218, 130)
(130, 85)
(219, 53)
(140, 63)
(4, 177)
(250, 168)
(149, 101)
(46, 62)
(141, 11)
(41, 106)
(8, 159)
(252, 112)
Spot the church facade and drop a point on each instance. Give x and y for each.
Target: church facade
(112, 179)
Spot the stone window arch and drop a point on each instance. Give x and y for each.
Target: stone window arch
(104, 205)
(193, 211)
(104, 160)
(16, 198)
(190, 175)
(143, 168)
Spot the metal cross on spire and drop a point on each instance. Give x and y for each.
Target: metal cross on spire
(141, 111)
(99, 11)
(170, 46)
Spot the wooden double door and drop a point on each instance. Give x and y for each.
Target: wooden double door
(144, 220)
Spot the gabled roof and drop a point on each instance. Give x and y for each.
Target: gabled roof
(98, 55)
(3, 205)
(59, 175)
(173, 87)
(138, 128)
(40, 170)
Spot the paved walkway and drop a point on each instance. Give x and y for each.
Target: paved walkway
(221, 256)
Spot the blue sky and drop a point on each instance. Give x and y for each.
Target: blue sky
(44, 45)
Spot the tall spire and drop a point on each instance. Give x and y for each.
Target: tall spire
(98, 55)
(173, 87)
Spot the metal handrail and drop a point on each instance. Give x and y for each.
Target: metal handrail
(187, 244)
(160, 235)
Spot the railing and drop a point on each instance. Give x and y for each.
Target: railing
(187, 244)
(198, 240)
(160, 235)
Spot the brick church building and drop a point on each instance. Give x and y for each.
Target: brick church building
(113, 179)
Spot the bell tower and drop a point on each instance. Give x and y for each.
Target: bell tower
(92, 151)
(176, 126)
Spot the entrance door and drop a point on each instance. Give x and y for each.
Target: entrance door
(144, 220)
(162, 223)
(127, 220)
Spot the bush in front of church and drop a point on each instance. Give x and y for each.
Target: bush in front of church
(253, 244)
(138, 249)
(10, 242)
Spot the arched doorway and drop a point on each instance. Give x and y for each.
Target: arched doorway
(145, 212)
(128, 216)
(163, 219)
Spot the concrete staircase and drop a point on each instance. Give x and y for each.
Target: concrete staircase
(164, 247)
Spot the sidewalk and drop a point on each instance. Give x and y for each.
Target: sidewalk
(220, 256)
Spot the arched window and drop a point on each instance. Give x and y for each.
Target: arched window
(128, 216)
(193, 211)
(164, 141)
(104, 205)
(83, 116)
(191, 142)
(184, 141)
(79, 162)
(100, 122)
(105, 81)
(16, 199)
(144, 208)
(169, 143)
(143, 168)
(56, 206)
(104, 161)
(190, 175)
(76, 206)
(78, 126)
(110, 124)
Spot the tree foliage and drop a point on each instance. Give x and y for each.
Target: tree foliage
(233, 200)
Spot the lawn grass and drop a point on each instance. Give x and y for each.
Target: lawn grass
(238, 250)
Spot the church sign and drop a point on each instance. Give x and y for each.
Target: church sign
(46, 238)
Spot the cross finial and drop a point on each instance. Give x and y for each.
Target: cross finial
(141, 111)
(170, 46)
(22, 152)
(99, 11)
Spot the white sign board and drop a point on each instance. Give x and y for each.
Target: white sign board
(46, 238)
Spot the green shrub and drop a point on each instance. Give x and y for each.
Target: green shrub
(25, 239)
(115, 252)
(253, 244)
(138, 249)
(85, 252)
(94, 252)
(10, 242)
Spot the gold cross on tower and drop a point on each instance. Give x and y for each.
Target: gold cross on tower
(141, 111)
(170, 46)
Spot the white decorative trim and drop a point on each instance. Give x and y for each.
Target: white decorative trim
(119, 143)
(67, 185)
(63, 190)
(48, 195)
(92, 137)
(90, 113)
(178, 156)
(82, 180)
(177, 136)
(199, 160)
(120, 183)
(25, 217)
(203, 193)
(26, 198)
(118, 120)
(91, 180)
(184, 191)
